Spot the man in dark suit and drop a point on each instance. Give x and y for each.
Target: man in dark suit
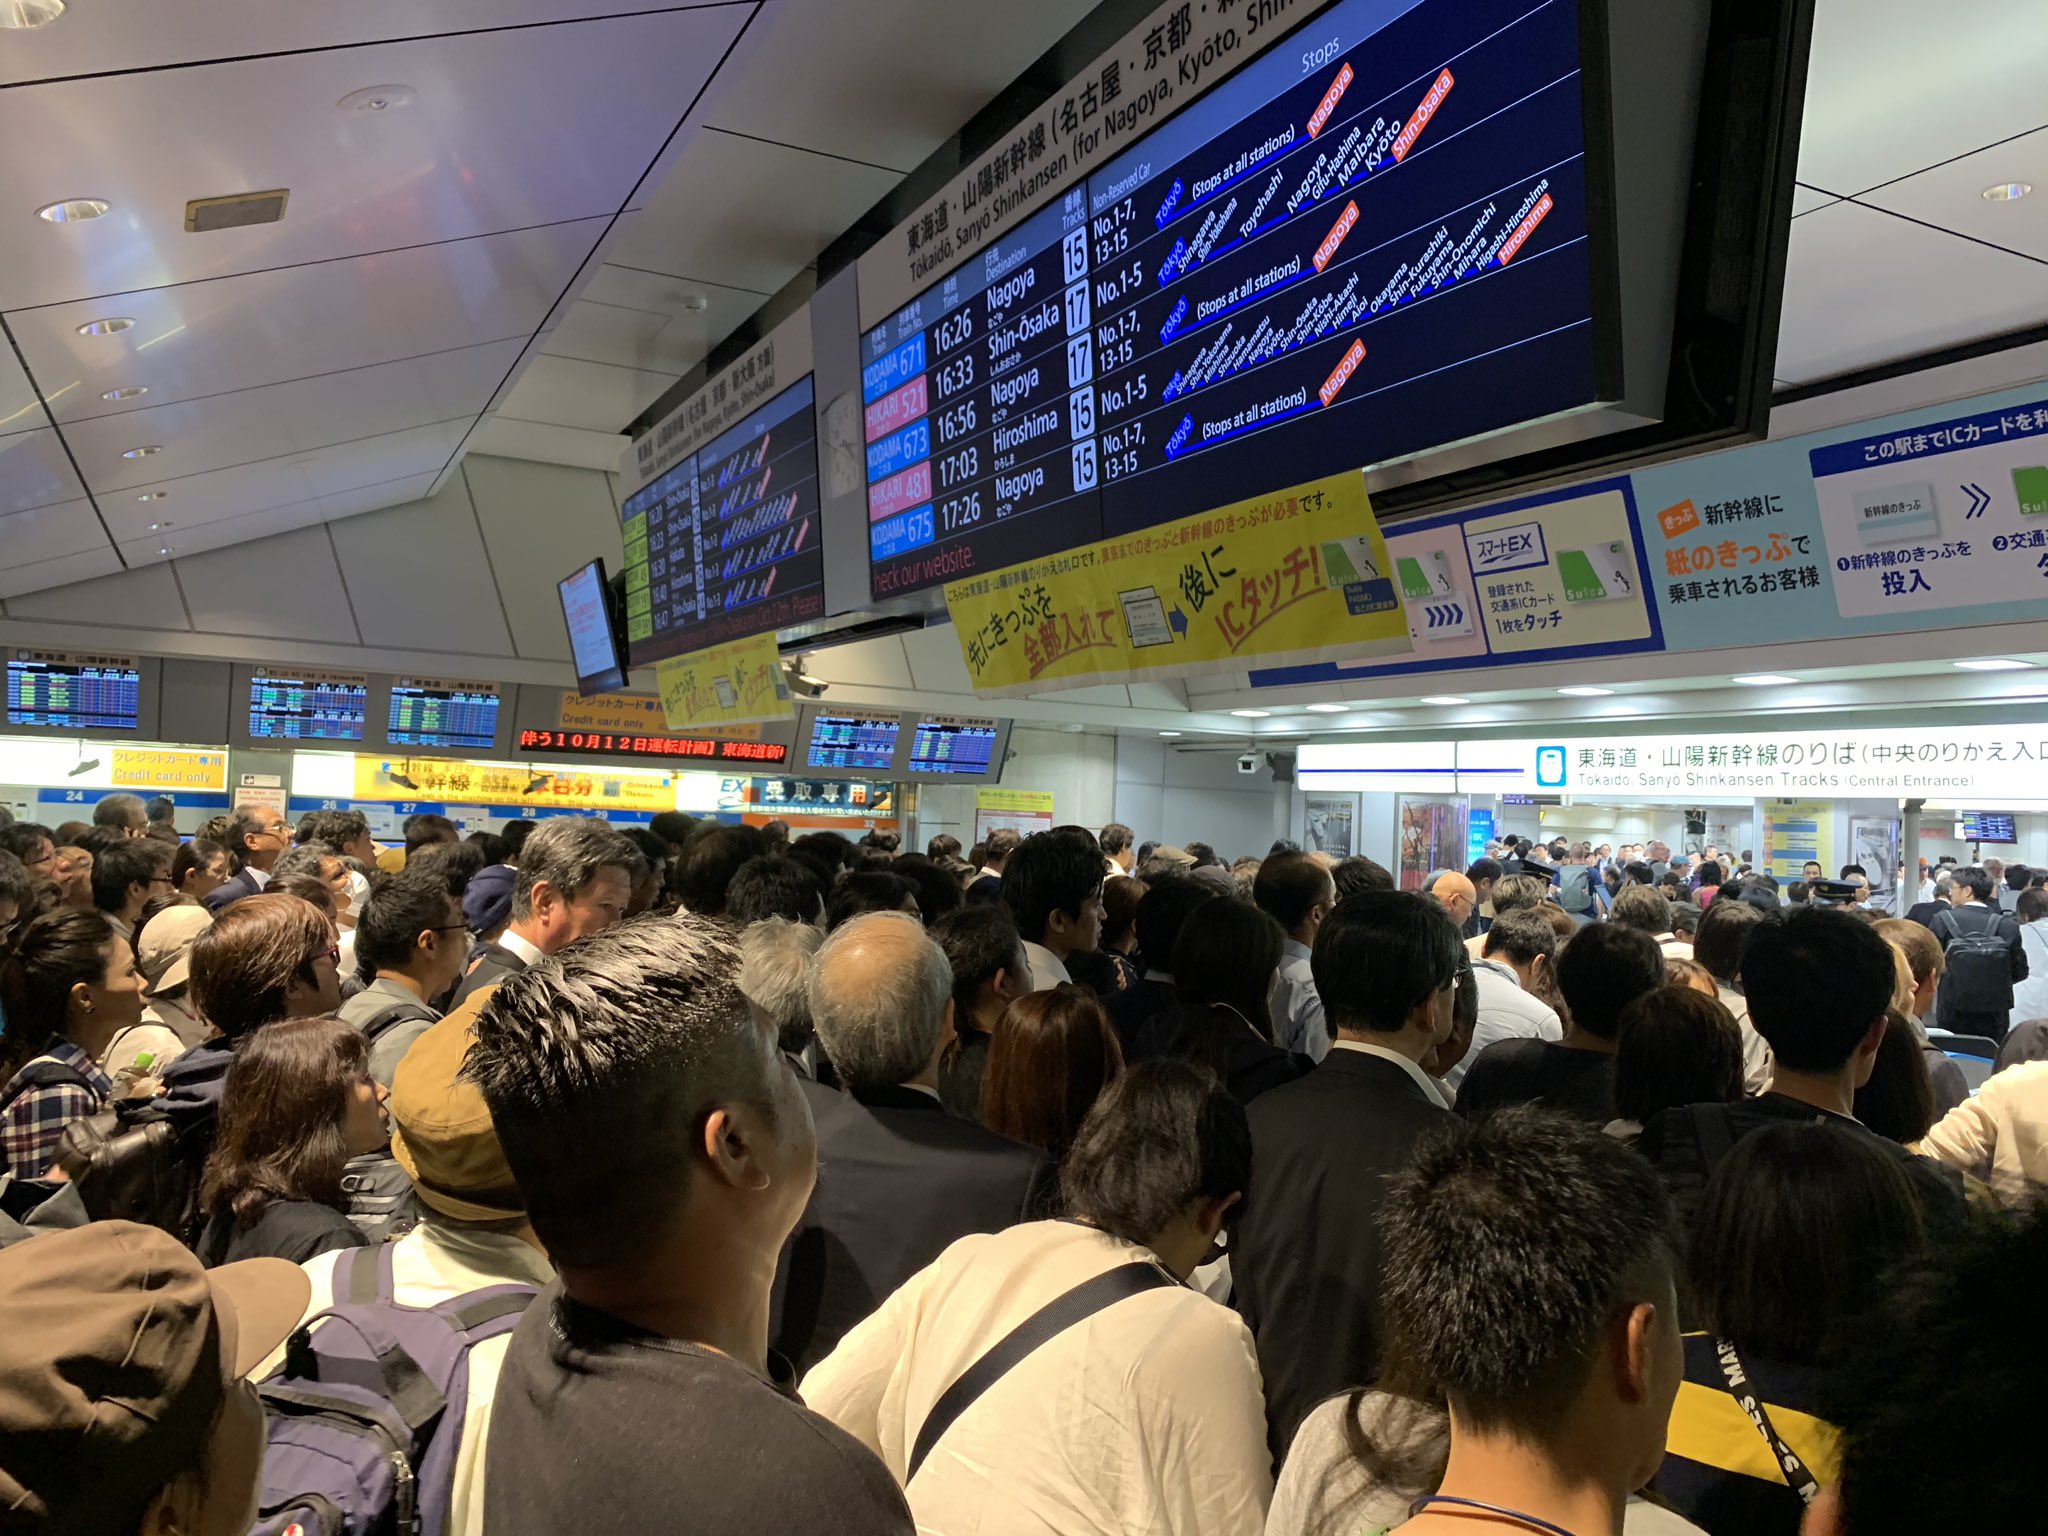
(1306, 1256)
(899, 1179)
(1147, 1016)
(575, 877)
(260, 837)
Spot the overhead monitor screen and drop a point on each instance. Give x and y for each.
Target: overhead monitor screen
(431, 712)
(593, 642)
(726, 543)
(1372, 241)
(953, 744)
(568, 743)
(308, 706)
(1986, 827)
(854, 741)
(74, 692)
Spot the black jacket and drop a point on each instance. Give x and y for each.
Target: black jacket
(899, 1180)
(1305, 1257)
(490, 965)
(231, 890)
(1146, 1018)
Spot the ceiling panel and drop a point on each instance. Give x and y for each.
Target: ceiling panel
(145, 599)
(631, 288)
(20, 408)
(546, 443)
(594, 396)
(507, 130)
(885, 81)
(35, 471)
(236, 591)
(218, 431)
(1897, 85)
(1952, 195)
(268, 327)
(161, 548)
(112, 35)
(61, 528)
(636, 338)
(1806, 199)
(18, 580)
(1862, 287)
(745, 214)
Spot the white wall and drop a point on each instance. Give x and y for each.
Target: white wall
(1170, 796)
(1078, 769)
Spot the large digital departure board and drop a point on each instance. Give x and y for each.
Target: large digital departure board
(726, 543)
(307, 706)
(435, 712)
(74, 692)
(1375, 240)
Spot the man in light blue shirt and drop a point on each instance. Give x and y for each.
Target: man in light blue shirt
(1296, 891)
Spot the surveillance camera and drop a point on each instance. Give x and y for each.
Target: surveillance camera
(799, 680)
(1248, 763)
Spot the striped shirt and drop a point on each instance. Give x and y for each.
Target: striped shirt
(32, 1126)
(1719, 1471)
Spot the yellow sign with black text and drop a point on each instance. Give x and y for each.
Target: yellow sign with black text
(446, 781)
(1294, 577)
(737, 683)
(169, 768)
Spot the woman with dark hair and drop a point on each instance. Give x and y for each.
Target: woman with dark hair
(199, 868)
(1789, 1250)
(68, 986)
(1898, 1100)
(1708, 885)
(1120, 897)
(1678, 1045)
(299, 1103)
(1145, 1413)
(1050, 1058)
(1224, 962)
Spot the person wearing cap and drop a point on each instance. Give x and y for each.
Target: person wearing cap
(410, 940)
(125, 1404)
(141, 1051)
(487, 901)
(473, 1230)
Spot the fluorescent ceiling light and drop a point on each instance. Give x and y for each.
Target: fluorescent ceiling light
(113, 325)
(1764, 679)
(1169, 733)
(1994, 664)
(1445, 699)
(1584, 692)
(1329, 709)
(1252, 714)
(74, 210)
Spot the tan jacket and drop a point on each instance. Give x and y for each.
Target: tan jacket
(2001, 1135)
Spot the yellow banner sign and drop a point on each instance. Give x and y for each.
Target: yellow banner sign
(737, 683)
(448, 782)
(629, 714)
(169, 768)
(1299, 576)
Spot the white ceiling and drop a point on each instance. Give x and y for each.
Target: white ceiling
(494, 268)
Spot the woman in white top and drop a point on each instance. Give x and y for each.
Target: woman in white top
(1144, 1417)
(2030, 997)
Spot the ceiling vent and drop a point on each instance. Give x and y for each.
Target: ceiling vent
(204, 213)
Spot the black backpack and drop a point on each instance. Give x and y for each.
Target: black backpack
(1978, 974)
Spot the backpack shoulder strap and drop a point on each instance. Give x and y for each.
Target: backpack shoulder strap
(364, 1275)
(392, 1015)
(1050, 1320)
(45, 1074)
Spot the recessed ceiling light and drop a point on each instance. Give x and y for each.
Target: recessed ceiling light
(1252, 714)
(1329, 709)
(113, 325)
(1764, 679)
(159, 527)
(1582, 691)
(696, 303)
(2007, 191)
(1444, 699)
(373, 99)
(74, 210)
(126, 392)
(25, 15)
(1169, 733)
(142, 451)
(168, 549)
(154, 496)
(1994, 664)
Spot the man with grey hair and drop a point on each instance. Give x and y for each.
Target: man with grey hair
(124, 813)
(575, 878)
(775, 963)
(899, 1179)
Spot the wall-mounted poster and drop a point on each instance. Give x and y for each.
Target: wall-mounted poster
(1874, 843)
(1329, 825)
(1432, 837)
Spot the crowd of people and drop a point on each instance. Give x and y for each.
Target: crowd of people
(696, 1177)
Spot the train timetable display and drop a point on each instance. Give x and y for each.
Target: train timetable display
(433, 712)
(74, 692)
(308, 706)
(1372, 241)
(953, 744)
(726, 544)
(854, 741)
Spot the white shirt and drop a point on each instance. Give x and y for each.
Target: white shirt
(1423, 1080)
(1756, 1053)
(260, 876)
(1047, 969)
(521, 946)
(1146, 1419)
(432, 1264)
(2000, 1135)
(1297, 1007)
(1506, 1012)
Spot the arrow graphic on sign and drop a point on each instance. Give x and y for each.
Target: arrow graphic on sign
(1979, 500)
(1179, 622)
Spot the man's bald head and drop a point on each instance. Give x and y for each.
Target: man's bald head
(1458, 896)
(881, 996)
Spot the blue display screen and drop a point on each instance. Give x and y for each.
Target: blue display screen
(854, 741)
(1370, 242)
(427, 713)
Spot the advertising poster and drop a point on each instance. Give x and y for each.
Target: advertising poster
(737, 683)
(1796, 831)
(1874, 843)
(1023, 811)
(1431, 837)
(1328, 825)
(1292, 577)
